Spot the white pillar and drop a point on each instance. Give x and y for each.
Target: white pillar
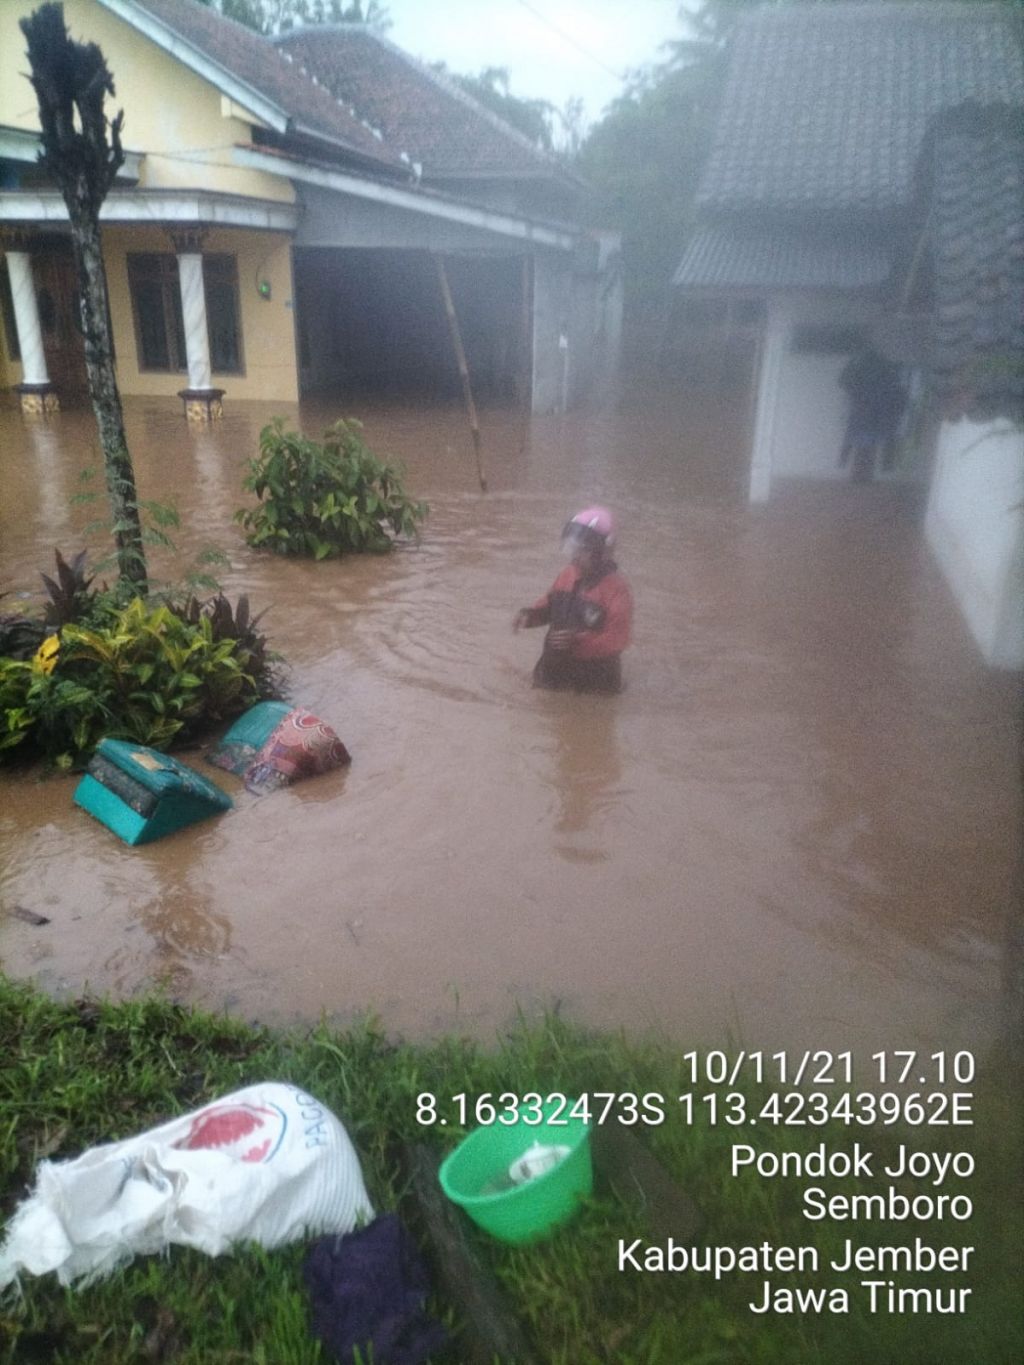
(201, 399)
(776, 336)
(193, 311)
(26, 318)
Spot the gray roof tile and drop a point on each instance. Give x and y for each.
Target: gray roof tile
(827, 106)
(734, 256)
(977, 239)
(257, 63)
(418, 110)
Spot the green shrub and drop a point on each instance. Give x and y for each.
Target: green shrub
(324, 499)
(236, 623)
(16, 677)
(71, 594)
(147, 675)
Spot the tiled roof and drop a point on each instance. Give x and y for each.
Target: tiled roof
(977, 241)
(419, 111)
(827, 106)
(259, 65)
(727, 256)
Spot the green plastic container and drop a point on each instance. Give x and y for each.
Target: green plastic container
(527, 1212)
(143, 795)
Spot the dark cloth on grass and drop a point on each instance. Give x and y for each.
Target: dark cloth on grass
(370, 1287)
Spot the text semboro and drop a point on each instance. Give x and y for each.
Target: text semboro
(890, 1205)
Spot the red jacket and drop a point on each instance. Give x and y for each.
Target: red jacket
(601, 611)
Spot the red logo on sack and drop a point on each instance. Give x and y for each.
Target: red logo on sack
(227, 1127)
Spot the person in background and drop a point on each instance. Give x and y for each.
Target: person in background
(588, 611)
(877, 399)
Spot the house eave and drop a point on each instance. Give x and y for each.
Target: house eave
(541, 176)
(371, 163)
(157, 207)
(756, 289)
(769, 258)
(415, 201)
(301, 140)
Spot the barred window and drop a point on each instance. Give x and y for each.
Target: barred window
(159, 325)
(156, 303)
(220, 277)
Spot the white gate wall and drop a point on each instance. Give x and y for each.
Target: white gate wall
(975, 527)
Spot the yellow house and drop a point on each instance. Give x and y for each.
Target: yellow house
(265, 236)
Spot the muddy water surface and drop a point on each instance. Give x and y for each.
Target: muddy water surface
(799, 823)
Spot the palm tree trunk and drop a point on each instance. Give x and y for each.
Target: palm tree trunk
(106, 401)
(71, 81)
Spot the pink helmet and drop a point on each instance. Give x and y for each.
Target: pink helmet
(593, 526)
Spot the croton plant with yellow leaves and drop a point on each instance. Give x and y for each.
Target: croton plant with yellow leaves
(150, 670)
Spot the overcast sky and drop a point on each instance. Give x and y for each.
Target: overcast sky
(553, 49)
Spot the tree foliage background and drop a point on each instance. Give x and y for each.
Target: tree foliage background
(548, 127)
(491, 88)
(643, 160)
(275, 16)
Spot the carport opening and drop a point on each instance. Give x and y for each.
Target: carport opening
(372, 322)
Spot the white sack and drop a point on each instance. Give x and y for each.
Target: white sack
(268, 1164)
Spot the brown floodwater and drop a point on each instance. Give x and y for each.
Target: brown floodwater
(798, 825)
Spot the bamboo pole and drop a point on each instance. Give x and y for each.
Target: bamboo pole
(460, 356)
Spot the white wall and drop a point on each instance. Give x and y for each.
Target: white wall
(595, 336)
(975, 527)
(811, 418)
(587, 299)
(332, 219)
(551, 321)
(801, 410)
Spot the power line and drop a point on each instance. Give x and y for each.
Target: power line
(568, 38)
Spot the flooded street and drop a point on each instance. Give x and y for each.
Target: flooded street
(798, 825)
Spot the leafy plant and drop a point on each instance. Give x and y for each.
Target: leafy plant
(70, 597)
(147, 675)
(158, 672)
(238, 624)
(15, 718)
(158, 520)
(198, 575)
(324, 499)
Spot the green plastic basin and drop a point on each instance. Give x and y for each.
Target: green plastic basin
(527, 1212)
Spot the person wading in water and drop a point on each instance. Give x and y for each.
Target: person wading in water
(588, 611)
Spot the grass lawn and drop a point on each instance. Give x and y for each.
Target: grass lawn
(78, 1074)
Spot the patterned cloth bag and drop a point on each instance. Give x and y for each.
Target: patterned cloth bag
(301, 746)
